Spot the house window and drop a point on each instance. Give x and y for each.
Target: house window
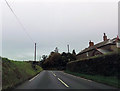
(118, 44)
(87, 54)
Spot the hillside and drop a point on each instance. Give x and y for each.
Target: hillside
(16, 72)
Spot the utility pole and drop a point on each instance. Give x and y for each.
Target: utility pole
(68, 48)
(35, 53)
(40, 58)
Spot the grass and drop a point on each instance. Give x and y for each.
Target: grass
(112, 81)
(16, 72)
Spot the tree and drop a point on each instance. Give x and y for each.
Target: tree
(73, 52)
(56, 50)
(44, 57)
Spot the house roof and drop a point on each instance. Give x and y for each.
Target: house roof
(99, 45)
(103, 51)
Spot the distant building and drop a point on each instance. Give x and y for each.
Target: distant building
(106, 46)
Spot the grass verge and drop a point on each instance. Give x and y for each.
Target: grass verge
(112, 81)
(16, 72)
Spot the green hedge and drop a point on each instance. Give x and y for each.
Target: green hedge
(107, 65)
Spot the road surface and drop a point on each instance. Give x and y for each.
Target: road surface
(60, 80)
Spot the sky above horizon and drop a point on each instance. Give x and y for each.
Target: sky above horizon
(55, 24)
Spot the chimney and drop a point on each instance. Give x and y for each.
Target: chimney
(118, 42)
(91, 43)
(104, 37)
(117, 39)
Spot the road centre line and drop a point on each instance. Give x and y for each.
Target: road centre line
(54, 74)
(63, 82)
(60, 80)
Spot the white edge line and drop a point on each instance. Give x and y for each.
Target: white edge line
(79, 77)
(33, 78)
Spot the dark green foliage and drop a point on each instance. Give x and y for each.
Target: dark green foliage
(74, 53)
(44, 57)
(53, 61)
(58, 61)
(107, 65)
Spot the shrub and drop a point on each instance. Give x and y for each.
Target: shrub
(106, 65)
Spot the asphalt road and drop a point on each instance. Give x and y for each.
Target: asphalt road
(60, 80)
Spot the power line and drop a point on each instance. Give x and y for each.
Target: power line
(19, 21)
(13, 1)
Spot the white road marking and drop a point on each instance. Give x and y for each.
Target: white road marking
(83, 78)
(54, 74)
(79, 77)
(89, 80)
(86, 79)
(63, 82)
(33, 78)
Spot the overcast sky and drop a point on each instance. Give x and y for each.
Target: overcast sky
(56, 23)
